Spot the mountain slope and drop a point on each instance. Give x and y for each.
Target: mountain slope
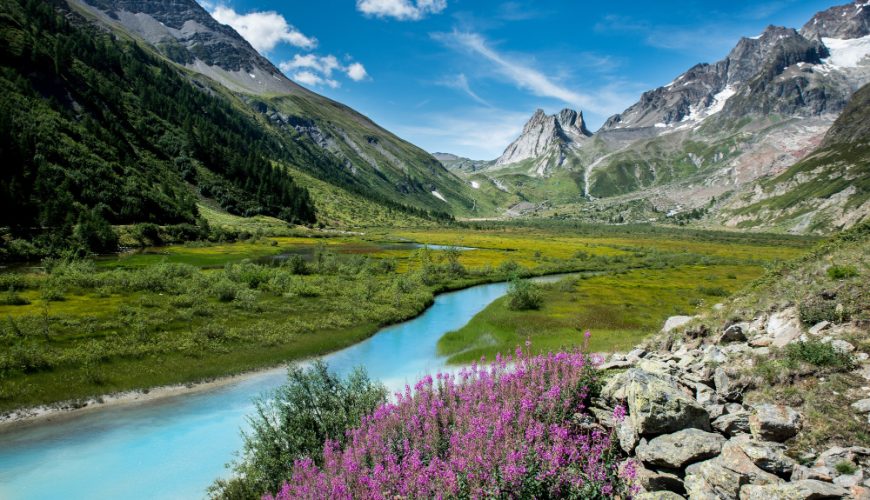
(363, 157)
(829, 189)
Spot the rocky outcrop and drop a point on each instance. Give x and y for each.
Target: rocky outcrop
(547, 139)
(843, 21)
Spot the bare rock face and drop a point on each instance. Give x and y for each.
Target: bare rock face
(547, 137)
(844, 21)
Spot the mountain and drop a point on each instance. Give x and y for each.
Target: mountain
(546, 139)
(363, 157)
(460, 164)
(829, 189)
(708, 135)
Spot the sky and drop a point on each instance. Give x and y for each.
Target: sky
(463, 76)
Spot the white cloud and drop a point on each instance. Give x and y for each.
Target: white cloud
(357, 72)
(313, 80)
(263, 30)
(460, 82)
(403, 10)
(314, 70)
(606, 100)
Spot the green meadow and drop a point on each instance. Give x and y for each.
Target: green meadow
(72, 329)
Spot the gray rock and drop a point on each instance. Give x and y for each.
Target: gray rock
(627, 435)
(710, 480)
(768, 456)
(807, 489)
(850, 480)
(727, 386)
(734, 333)
(715, 355)
(657, 405)
(862, 406)
(732, 423)
(784, 327)
(654, 480)
(819, 327)
(801, 473)
(842, 346)
(715, 411)
(774, 422)
(680, 448)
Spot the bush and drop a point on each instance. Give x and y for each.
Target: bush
(713, 291)
(524, 295)
(816, 309)
(11, 298)
(842, 272)
(819, 354)
(502, 431)
(313, 406)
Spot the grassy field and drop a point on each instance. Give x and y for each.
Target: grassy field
(185, 313)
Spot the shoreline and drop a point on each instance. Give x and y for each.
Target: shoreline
(73, 408)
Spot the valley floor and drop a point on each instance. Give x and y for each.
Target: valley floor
(182, 314)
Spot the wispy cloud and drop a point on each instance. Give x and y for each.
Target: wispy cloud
(460, 82)
(315, 70)
(263, 30)
(523, 75)
(403, 10)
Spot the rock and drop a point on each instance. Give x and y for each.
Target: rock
(627, 435)
(705, 395)
(784, 327)
(761, 341)
(769, 457)
(859, 492)
(757, 326)
(850, 480)
(734, 333)
(734, 458)
(680, 448)
(856, 455)
(732, 423)
(727, 386)
(774, 422)
(715, 411)
(656, 367)
(675, 322)
(657, 405)
(615, 365)
(807, 489)
(862, 406)
(842, 346)
(815, 473)
(710, 480)
(603, 416)
(761, 352)
(635, 355)
(819, 327)
(715, 355)
(658, 495)
(654, 480)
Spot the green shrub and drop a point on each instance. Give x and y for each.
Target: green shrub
(524, 295)
(713, 291)
(846, 467)
(819, 354)
(842, 272)
(312, 406)
(816, 309)
(225, 290)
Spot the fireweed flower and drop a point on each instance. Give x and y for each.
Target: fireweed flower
(504, 430)
(619, 413)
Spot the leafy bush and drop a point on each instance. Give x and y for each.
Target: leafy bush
(816, 309)
(819, 354)
(846, 467)
(502, 431)
(842, 272)
(11, 298)
(312, 408)
(713, 291)
(524, 295)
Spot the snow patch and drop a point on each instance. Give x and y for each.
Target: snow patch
(438, 195)
(847, 53)
(252, 75)
(697, 113)
(474, 184)
(660, 125)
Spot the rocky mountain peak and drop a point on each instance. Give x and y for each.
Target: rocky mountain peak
(187, 34)
(544, 135)
(843, 22)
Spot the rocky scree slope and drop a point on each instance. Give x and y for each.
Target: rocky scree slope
(764, 397)
(362, 157)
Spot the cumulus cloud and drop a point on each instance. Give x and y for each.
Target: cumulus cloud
(263, 30)
(403, 10)
(315, 70)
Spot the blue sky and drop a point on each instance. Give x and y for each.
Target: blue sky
(462, 76)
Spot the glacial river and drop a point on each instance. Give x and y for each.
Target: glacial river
(176, 446)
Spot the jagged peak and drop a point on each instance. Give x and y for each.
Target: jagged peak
(848, 21)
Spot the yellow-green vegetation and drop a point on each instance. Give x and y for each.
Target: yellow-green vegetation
(177, 314)
(620, 309)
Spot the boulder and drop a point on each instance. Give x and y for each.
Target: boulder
(680, 448)
(819, 327)
(784, 327)
(734, 458)
(728, 386)
(761, 341)
(732, 423)
(842, 346)
(774, 422)
(808, 489)
(767, 456)
(657, 405)
(862, 406)
(627, 435)
(734, 333)
(711, 481)
(654, 480)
